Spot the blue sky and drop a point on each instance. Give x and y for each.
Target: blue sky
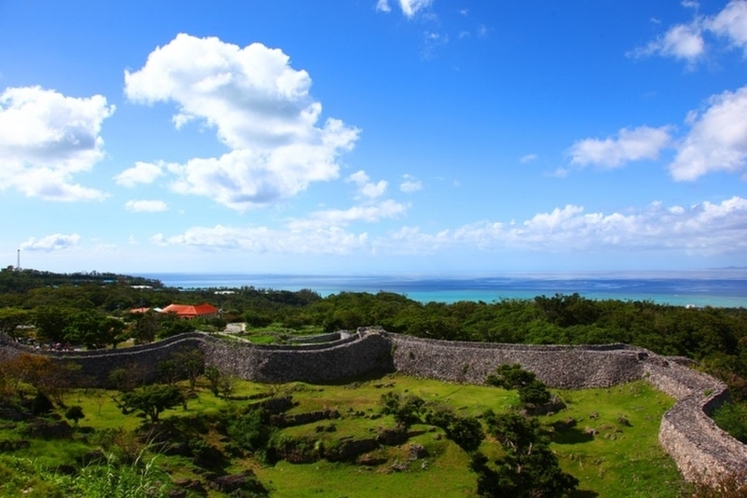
(365, 136)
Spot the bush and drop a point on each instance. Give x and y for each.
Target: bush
(732, 418)
(531, 390)
(464, 431)
(406, 410)
(251, 431)
(74, 413)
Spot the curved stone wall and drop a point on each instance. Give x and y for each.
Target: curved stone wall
(702, 451)
(95, 366)
(360, 354)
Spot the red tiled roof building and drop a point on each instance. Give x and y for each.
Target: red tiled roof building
(189, 311)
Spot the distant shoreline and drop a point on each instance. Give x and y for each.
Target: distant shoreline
(718, 288)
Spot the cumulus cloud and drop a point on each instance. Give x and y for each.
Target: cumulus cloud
(144, 206)
(140, 173)
(731, 23)
(260, 108)
(410, 184)
(46, 138)
(53, 242)
(683, 41)
(371, 209)
(717, 140)
(706, 229)
(528, 158)
(367, 190)
(688, 41)
(244, 178)
(630, 145)
(409, 7)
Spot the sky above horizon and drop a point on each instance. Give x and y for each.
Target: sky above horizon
(373, 136)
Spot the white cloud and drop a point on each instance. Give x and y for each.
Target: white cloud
(528, 158)
(46, 138)
(717, 140)
(410, 184)
(683, 41)
(732, 24)
(367, 190)
(53, 242)
(244, 178)
(558, 218)
(630, 145)
(332, 240)
(688, 42)
(145, 206)
(342, 217)
(409, 8)
(383, 6)
(140, 173)
(260, 107)
(706, 229)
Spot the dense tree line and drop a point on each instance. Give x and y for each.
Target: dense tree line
(80, 308)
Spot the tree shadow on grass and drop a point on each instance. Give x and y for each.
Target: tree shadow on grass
(572, 435)
(375, 374)
(584, 493)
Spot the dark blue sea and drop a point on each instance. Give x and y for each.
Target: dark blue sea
(718, 288)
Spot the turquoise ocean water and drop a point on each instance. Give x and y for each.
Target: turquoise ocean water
(719, 288)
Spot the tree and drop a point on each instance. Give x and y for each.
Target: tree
(511, 376)
(51, 322)
(47, 376)
(11, 318)
(94, 329)
(74, 413)
(220, 383)
(528, 469)
(191, 363)
(464, 431)
(168, 371)
(214, 376)
(153, 400)
(145, 327)
(406, 410)
(531, 390)
(172, 325)
(252, 430)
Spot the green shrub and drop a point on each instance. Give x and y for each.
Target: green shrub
(732, 418)
(464, 431)
(406, 410)
(251, 431)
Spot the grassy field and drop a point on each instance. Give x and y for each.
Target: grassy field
(623, 458)
(607, 438)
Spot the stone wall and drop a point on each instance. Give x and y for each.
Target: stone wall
(358, 355)
(702, 451)
(565, 367)
(95, 366)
